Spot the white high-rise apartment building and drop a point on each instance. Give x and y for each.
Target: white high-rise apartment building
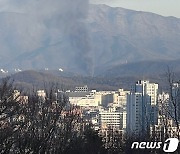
(147, 88)
(134, 113)
(142, 107)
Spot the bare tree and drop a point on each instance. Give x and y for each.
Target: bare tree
(9, 110)
(43, 124)
(173, 107)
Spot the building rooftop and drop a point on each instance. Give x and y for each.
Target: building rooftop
(78, 94)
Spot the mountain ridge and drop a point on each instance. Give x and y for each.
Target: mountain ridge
(113, 36)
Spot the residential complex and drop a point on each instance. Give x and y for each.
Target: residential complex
(142, 108)
(137, 112)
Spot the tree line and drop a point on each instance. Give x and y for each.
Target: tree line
(51, 125)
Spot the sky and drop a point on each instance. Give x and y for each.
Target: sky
(162, 7)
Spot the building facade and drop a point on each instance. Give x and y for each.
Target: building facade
(142, 109)
(112, 118)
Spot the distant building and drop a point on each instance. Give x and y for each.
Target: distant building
(175, 100)
(120, 98)
(90, 98)
(81, 89)
(41, 93)
(169, 114)
(107, 97)
(92, 115)
(112, 118)
(17, 96)
(134, 113)
(83, 99)
(142, 109)
(165, 128)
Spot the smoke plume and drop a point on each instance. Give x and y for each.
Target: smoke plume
(56, 20)
(73, 15)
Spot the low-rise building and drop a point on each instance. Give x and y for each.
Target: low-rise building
(120, 98)
(91, 98)
(113, 118)
(81, 89)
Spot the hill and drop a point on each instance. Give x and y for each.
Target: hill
(143, 68)
(34, 80)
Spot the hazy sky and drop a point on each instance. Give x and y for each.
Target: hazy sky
(163, 7)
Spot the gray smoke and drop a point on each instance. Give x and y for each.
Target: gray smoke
(73, 15)
(67, 15)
